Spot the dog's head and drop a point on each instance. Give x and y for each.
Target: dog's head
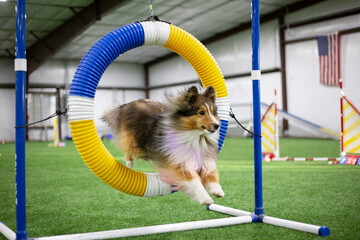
(194, 110)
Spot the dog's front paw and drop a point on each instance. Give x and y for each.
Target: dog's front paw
(196, 191)
(129, 164)
(206, 201)
(216, 190)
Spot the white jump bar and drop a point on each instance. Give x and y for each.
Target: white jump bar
(140, 231)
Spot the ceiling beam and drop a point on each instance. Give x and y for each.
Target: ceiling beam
(47, 46)
(244, 26)
(336, 15)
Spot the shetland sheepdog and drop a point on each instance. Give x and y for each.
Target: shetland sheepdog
(180, 136)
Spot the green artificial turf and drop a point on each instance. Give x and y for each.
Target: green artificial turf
(64, 196)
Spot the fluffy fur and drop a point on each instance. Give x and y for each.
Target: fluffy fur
(180, 136)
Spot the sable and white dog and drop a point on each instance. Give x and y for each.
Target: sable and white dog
(180, 136)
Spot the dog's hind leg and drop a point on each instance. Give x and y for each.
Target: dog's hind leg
(129, 160)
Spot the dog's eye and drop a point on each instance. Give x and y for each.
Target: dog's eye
(202, 113)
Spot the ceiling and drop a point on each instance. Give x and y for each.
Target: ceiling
(201, 18)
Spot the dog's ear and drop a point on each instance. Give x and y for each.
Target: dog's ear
(210, 93)
(192, 94)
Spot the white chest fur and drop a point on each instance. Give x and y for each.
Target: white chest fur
(188, 149)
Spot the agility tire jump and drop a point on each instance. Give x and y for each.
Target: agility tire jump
(87, 77)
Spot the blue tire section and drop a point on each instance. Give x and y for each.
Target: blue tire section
(223, 130)
(101, 55)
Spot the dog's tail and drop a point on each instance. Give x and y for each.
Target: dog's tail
(112, 118)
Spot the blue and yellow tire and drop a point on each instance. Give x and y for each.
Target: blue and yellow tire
(88, 75)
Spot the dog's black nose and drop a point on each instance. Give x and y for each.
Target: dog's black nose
(216, 126)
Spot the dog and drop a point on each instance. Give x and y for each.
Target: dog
(179, 135)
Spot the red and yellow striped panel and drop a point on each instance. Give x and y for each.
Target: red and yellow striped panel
(351, 131)
(268, 130)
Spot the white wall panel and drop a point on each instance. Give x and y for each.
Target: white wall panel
(233, 54)
(350, 70)
(7, 100)
(159, 94)
(174, 70)
(306, 97)
(70, 69)
(321, 9)
(51, 73)
(323, 28)
(116, 75)
(130, 95)
(123, 75)
(46, 134)
(7, 108)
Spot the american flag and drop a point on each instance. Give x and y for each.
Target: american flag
(329, 57)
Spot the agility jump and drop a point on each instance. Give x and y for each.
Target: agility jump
(84, 132)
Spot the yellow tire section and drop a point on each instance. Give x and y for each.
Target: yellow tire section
(195, 53)
(102, 163)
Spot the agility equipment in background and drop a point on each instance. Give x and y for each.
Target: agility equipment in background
(306, 124)
(350, 131)
(81, 118)
(270, 132)
(56, 142)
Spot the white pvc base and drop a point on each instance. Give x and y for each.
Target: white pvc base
(304, 227)
(240, 218)
(140, 231)
(228, 210)
(7, 232)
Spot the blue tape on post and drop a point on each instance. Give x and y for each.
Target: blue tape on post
(101, 55)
